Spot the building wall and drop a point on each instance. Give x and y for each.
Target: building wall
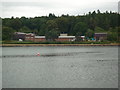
(32, 37)
(19, 36)
(39, 39)
(100, 36)
(64, 39)
(63, 34)
(29, 37)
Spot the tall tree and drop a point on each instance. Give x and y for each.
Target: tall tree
(51, 35)
(51, 24)
(7, 33)
(16, 24)
(62, 23)
(80, 27)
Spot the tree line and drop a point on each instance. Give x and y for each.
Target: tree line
(51, 26)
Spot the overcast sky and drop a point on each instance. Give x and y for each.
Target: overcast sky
(32, 8)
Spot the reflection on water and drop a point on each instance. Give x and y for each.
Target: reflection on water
(50, 54)
(0, 68)
(59, 67)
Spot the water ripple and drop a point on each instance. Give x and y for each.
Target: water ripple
(51, 54)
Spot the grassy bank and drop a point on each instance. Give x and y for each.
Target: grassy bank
(54, 42)
(24, 43)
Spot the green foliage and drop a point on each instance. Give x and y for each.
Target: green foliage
(62, 23)
(15, 24)
(25, 29)
(0, 30)
(73, 25)
(51, 35)
(113, 34)
(51, 16)
(80, 27)
(89, 33)
(53, 42)
(51, 24)
(7, 33)
(99, 30)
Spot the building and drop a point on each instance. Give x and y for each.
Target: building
(63, 34)
(29, 37)
(19, 35)
(32, 37)
(100, 36)
(66, 38)
(39, 39)
(80, 38)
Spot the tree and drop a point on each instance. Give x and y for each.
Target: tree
(80, 27)
(51, 24)
(51, 35)
(98, 11)
(112, 36)
(42, 29)
(77, 36)
(15, 24)
(51, 16)
(25, 29)
(73, 25)
(7, 33)
(99, 29)
(0, 28)
(107, 23)
(93, 14)
(90, 33)
(62, 23)
(92, 23)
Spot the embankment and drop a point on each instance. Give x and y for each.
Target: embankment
(25, 45)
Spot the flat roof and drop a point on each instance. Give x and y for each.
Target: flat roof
(19, 33)
(66, 36)
(39, 36)
(100, 33)
(30, 34)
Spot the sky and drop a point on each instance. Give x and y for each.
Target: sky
(34, 8)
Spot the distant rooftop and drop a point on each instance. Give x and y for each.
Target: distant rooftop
(19, 33)
(39, 36)
(25, 33)
(66, 36)
(63, 34)
(100, 33)
(30, 34)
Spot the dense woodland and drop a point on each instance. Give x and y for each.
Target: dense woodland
(52, 26)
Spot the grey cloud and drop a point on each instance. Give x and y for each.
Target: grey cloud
(29, 4)
(43, 8)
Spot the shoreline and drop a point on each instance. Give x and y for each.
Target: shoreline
(27, 45)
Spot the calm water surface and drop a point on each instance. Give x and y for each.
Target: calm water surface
(0, 68)
(60, 67)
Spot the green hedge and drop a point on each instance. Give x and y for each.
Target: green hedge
(53, 42)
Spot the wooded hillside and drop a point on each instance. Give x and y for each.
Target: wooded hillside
(73, 25)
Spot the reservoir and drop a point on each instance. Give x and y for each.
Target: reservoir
(60, 67)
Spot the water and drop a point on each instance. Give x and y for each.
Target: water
(60, 67)
(0, 68)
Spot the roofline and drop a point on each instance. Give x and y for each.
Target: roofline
(39, 36)
(66, 37)
(100, 33)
